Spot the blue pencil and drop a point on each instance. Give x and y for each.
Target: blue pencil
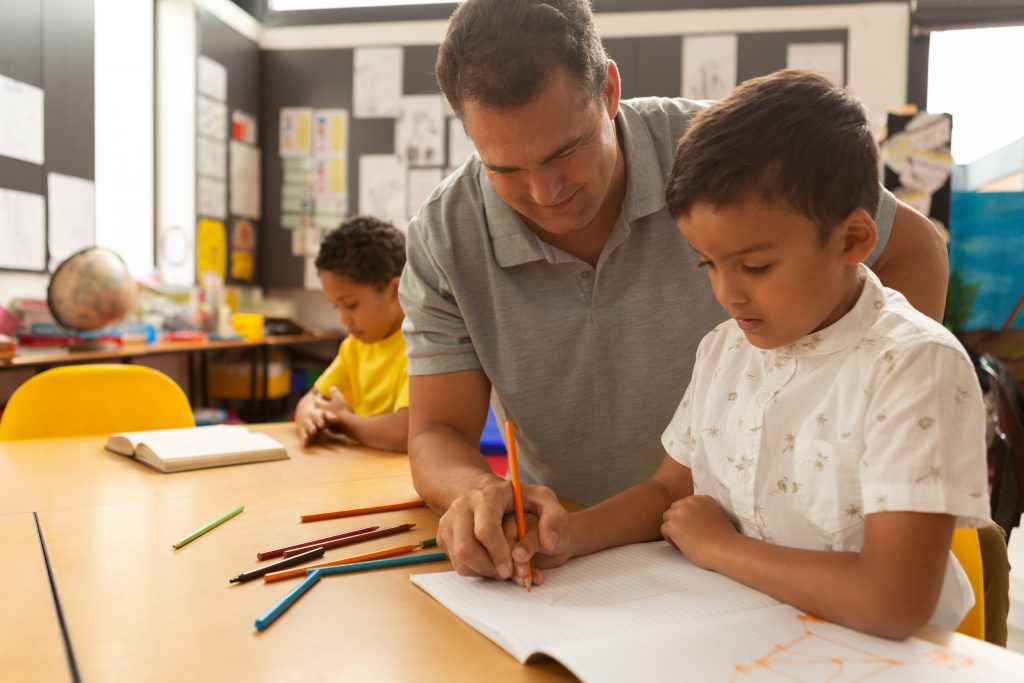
(378, 564)
(284, 603)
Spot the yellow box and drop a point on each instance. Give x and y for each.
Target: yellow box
(249, 325)
(233, 378)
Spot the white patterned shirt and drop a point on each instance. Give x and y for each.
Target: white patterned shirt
(880, 411)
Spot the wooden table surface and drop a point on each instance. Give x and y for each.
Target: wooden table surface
(31, 645)
(135, 609)
(138, 610)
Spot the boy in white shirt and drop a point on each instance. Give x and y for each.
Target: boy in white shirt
(832, 436)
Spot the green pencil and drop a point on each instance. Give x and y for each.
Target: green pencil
(202, 530)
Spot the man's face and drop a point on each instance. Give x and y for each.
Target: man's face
(553, 159)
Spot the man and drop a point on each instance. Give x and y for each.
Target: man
(547, 275)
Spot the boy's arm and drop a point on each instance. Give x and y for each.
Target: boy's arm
(388, 432)
(308, 419)
(633, 516)
(889, 588)
(915, 262)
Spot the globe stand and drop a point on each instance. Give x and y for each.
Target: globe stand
(79, 344)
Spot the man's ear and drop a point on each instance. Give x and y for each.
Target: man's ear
(612, 90)
(859, 235)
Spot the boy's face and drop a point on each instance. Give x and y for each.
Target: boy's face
(368, 313)
(771, 273)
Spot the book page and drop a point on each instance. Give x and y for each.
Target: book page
(125, 443)
(174, 454)
(623, 589)
(643, 612)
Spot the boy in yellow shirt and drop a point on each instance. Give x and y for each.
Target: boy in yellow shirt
(365, 391)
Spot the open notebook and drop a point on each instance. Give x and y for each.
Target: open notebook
(644, 613)
(176, 450)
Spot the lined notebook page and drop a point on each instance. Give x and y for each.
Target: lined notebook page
(643, 612)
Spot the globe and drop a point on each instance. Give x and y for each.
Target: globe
(90, 289)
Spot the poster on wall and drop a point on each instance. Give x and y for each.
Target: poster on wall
(377, 82)
(419, 131)
(243, 250)
(22, 230)
(245, 179)
(382, 188)
(21, 121)
(212, 78)
(825, 58)
(211, 248)
(709, 66)
(71, 209)
(295, 132)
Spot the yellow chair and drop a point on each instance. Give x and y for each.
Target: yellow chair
(76, 400)
(967, 550)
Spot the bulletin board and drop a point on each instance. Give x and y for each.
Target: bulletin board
(48, 45)
(228, 226)
(323, 79)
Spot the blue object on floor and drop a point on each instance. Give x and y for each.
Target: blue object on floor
(491, 442)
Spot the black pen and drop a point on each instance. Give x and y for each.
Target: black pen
(312, 554)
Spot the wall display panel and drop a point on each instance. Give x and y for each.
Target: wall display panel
(47, 48)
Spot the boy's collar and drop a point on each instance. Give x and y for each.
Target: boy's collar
(849, 330)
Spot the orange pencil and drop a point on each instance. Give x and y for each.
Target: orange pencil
(363, 511)
(517, 494)
(301, 571)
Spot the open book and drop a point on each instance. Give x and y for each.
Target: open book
(175, 450)
(645, 613)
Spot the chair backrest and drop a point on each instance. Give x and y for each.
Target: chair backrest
(75, 400)
(967, 550)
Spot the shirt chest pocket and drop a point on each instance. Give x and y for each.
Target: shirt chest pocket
(828, 479)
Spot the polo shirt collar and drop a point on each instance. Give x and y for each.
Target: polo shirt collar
(850, 330)
(514, 244)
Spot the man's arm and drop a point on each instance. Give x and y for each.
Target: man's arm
(447, 414)
(915, 262)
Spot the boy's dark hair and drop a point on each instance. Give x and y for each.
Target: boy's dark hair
(363, 249)
(791, 135)
(500, 52)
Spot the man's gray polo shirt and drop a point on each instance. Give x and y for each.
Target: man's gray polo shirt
(589, 363)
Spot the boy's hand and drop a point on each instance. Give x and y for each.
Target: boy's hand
(325, 412)
(479, 530)
(696, 525)
(554, 551)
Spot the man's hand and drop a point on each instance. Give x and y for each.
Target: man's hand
(696, 525)
(478, 531)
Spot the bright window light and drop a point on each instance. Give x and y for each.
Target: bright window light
(974, 74)
(288, 5)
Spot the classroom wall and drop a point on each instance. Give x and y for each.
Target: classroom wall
(311, 66)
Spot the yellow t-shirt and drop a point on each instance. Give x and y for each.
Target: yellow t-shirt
(372, 377)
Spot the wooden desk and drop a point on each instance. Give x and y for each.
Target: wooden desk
(71, 473)
(31, 644)
(136, 609)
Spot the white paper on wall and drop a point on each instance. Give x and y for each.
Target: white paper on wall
(421, 183)
(709, 66)
(22, 230)
(211, 158)
(72, 208)
(825, 58)
(382, 188)
(211, 197)
(419, 131)
(377, 82)
(460, 147)
(245, 179)
(21, 120)
(211, 118)
(212, 78)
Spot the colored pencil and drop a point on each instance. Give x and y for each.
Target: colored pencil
(389, 552)
(517, 495)
(267, 554)
(363, 511)
(380, 564)
(268, 617)
(311, 554)
(202, 530)
(369, 535)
